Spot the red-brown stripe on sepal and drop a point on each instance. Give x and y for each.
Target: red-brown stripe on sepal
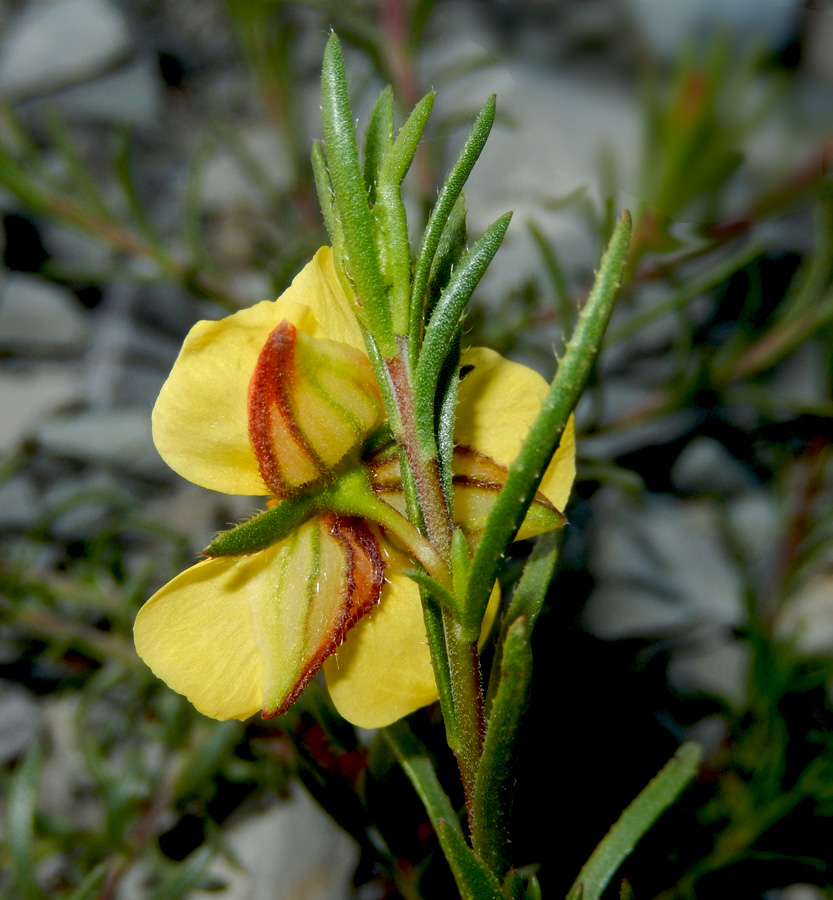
(284, 456)
(357, 589)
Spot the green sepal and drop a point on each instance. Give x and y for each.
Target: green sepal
(513, 885)
(264, 529)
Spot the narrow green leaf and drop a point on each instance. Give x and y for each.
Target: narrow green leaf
(450, 252)
(77, 169)
(358, 267)
(529, 466)
(555, 271)
(324, 188)
(460, 561)
(136, 211)
(474, 880)
(91, 884)
(513, 885)
(446, 412)
(492, 797)
(378, 140)
(531, 591)
(23, 797)
(185, 876)
(398, 161)
(264, 529)
(445, 320)
(203, 762)
(389, 213)
(449, 193)
(441, 594)
(640, 815)
(533, 888)
(192, 209)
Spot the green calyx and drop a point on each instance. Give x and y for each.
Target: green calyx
(265, 529)
(350, 494)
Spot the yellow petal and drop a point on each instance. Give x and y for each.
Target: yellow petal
(498, 402)
(197, 635)
(383, 670)
(237, 635)
(321, 291)
(200, 421)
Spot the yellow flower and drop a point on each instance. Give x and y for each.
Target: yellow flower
(242, 634)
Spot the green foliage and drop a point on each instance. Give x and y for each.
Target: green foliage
(146, 761)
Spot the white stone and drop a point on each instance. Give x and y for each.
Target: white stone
(668, 24)
(717, 665)
(706, 466)
(662, 569)
(58, 43)
(39, 318)
(20, 721)
(293, 851)
(121, 438)
(18, 504)
(132, 95)
(226, 182)
(807, 617)
(27, 397)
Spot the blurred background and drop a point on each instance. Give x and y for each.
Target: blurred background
(154, 171)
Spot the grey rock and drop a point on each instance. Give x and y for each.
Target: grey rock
(801, 381)
(58, 43)
(289, 852)
(76, 508)
(28, 396)
(121, 438)
(228, 184)
(807, 617)
(20, 721)
(717, 665)
(132, 95)
(66, 788)
(39, 318)
(629, 402)
(705, 466)
(667, 26)
(18, 503)
(662, 569)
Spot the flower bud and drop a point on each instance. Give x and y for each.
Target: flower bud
(312, 402)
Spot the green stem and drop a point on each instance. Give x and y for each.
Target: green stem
(464, 667)
(473, 878)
